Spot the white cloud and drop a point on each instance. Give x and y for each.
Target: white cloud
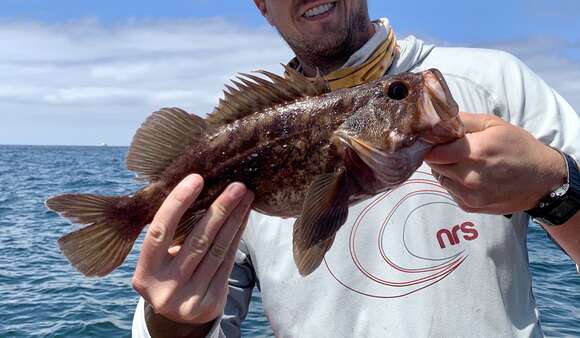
(556, 60)
(86, 82)
(87, 75)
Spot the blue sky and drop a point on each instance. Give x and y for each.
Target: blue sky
(85, 72)
(451, 20)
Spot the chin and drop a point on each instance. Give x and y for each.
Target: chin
(328, 42)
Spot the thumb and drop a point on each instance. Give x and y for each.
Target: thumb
(479, 122)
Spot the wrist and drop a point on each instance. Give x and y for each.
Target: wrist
(553, 177)
(562, 204)
(160, 326)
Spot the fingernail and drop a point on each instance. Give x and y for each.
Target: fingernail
(236, 189)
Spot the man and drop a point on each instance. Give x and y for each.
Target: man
(417, 261)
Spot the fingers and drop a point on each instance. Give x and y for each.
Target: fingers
(156, 244)
(466, 146)
(467, 199)
(479, 122)
(224, 240)
(450, 153)
(225, 209)
(166, 282)
(473, 122)
(453, 189)
(462, 174)
(217, 290)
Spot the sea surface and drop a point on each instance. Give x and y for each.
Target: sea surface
(41, 295)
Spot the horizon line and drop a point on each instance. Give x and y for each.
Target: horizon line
(63, 145)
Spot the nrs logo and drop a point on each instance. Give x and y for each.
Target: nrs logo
(451, 235)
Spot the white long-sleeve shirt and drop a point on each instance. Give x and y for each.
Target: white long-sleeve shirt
(410, 262)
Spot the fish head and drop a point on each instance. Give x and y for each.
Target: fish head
(405, 117)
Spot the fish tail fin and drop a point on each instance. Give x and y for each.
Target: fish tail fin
(103, 244)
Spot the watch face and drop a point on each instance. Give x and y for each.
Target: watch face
(563, 204)
(566, 208)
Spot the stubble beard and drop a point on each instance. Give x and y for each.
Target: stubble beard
(332, 50)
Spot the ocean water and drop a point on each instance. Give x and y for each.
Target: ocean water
(41, 295)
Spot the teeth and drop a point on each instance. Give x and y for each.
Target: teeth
(319, 10)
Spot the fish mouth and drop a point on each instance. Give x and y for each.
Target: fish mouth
(390, 167)
(438, 111)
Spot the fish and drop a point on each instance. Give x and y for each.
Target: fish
(305, 151)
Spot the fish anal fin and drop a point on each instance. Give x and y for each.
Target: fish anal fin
(164, 136)
(255, 93)
(325, 211)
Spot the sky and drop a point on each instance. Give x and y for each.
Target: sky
(89, 72)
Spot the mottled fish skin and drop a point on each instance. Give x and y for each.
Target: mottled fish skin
(278, 151)
(365, 139)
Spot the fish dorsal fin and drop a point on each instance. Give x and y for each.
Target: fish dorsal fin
(164, 136)
(253, 93)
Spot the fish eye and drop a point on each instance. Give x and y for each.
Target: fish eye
(398, 90)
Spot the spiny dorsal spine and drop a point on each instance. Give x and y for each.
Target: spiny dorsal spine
(252, 93)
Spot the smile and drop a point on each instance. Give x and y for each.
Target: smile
(319, 10)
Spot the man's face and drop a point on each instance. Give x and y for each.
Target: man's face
(324, 28)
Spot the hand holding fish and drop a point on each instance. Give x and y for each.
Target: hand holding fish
(497, 168)
(188, 284)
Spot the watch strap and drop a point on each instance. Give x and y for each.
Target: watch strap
(549, 209)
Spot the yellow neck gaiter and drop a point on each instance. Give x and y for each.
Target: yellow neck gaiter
(372, 69)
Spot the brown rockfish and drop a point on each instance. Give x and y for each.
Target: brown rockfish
(305, 151)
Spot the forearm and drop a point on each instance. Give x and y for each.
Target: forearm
(567, 236)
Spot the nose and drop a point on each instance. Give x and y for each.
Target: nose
(440, 108)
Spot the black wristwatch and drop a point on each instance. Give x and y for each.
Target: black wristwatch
(563, 203)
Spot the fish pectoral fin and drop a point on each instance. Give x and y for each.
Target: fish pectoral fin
(186, 224)
(309, 258)
(164, 136)
(325, 210)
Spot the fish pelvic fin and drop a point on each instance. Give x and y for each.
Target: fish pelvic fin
(162, 138)
(252, 93)
(103, 244)
(325, 211)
